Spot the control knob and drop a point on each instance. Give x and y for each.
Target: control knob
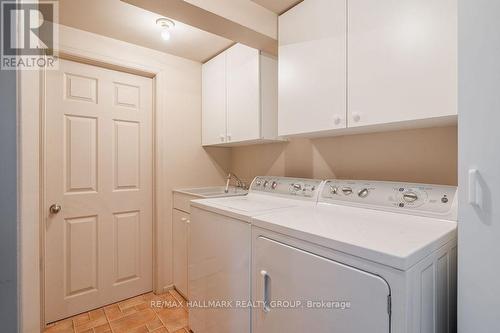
(410, 197)
(347, 190)
(363, 193)
(334, 189)
(265, 184)
(273, 185)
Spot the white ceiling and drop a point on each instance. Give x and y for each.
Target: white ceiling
(277, 6)
(119, 20)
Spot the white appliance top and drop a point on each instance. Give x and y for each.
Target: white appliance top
(266, 193)
(394, 224)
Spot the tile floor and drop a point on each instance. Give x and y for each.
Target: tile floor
(134, 315)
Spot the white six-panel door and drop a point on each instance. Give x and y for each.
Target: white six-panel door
(98, 168)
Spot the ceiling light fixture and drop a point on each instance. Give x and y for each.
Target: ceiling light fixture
(165, 24)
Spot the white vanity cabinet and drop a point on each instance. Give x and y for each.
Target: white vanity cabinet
(364, 65)
(239, 97)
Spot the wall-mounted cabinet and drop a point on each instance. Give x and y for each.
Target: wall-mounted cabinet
(362, 65)
(312, 67)
(239, 97)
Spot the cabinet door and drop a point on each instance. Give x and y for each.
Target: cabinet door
(312, 67)
(180, 248)
(289, 275)
(243, 94)
(214, 100)
(402, 60)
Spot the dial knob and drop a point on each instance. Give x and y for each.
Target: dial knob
(334, 189)
(273, 185)
(266, 183)
(297, 187)
(347, 190)
(363, 193)
(258, 182)
(410, 197)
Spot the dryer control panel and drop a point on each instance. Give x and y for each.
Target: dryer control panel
(417, 199)
(285, 186)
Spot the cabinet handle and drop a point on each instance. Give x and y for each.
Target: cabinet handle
(222, 138)
(188, 221)
(184, 219)
(229, 137)
(265, 297)
(473, 188)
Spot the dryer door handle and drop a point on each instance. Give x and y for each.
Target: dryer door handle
(265, 297)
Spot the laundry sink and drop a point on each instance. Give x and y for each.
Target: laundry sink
(213, 191)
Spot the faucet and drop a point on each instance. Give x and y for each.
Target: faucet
(241, 184)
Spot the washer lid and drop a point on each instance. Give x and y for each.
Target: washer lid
(267, 193)
(245, 207)
(392, 239)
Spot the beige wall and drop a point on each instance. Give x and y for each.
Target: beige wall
(420, 155)
(187, 163)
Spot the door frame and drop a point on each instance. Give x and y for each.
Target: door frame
(84, 47)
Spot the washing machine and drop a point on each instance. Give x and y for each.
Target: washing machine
(371, 256)
(219, 250)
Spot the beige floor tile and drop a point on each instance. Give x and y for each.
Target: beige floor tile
(161, 330)
(133, 321)
(113, 312)
(90, 324)
(155, 324)
(81, 319)
(103, 328)
(134, 315)
(173, 318)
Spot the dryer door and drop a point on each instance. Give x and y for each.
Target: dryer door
(298, 291)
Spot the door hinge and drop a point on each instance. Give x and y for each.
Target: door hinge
(389, 304)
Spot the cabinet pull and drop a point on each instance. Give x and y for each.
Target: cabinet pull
(265, 297)
(184, 219)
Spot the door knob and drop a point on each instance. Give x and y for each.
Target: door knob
(55, 208)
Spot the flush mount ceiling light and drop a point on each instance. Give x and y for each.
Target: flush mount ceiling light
(165, 24)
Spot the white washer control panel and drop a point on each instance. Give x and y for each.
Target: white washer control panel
(285, 186)
(411, 198)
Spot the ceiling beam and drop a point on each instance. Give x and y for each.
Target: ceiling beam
(230, 27)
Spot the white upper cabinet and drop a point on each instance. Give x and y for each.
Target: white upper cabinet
(312, 67)
(402, 60)
(214, 101)
(239, 102)
(243, 90)
(367, 65)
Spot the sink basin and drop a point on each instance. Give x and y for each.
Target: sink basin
(213, 191)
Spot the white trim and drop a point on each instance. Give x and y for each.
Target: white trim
(115, 53)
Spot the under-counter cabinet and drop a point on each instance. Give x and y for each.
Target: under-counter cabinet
(364, 65)
(239, 97)
(180, 239)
